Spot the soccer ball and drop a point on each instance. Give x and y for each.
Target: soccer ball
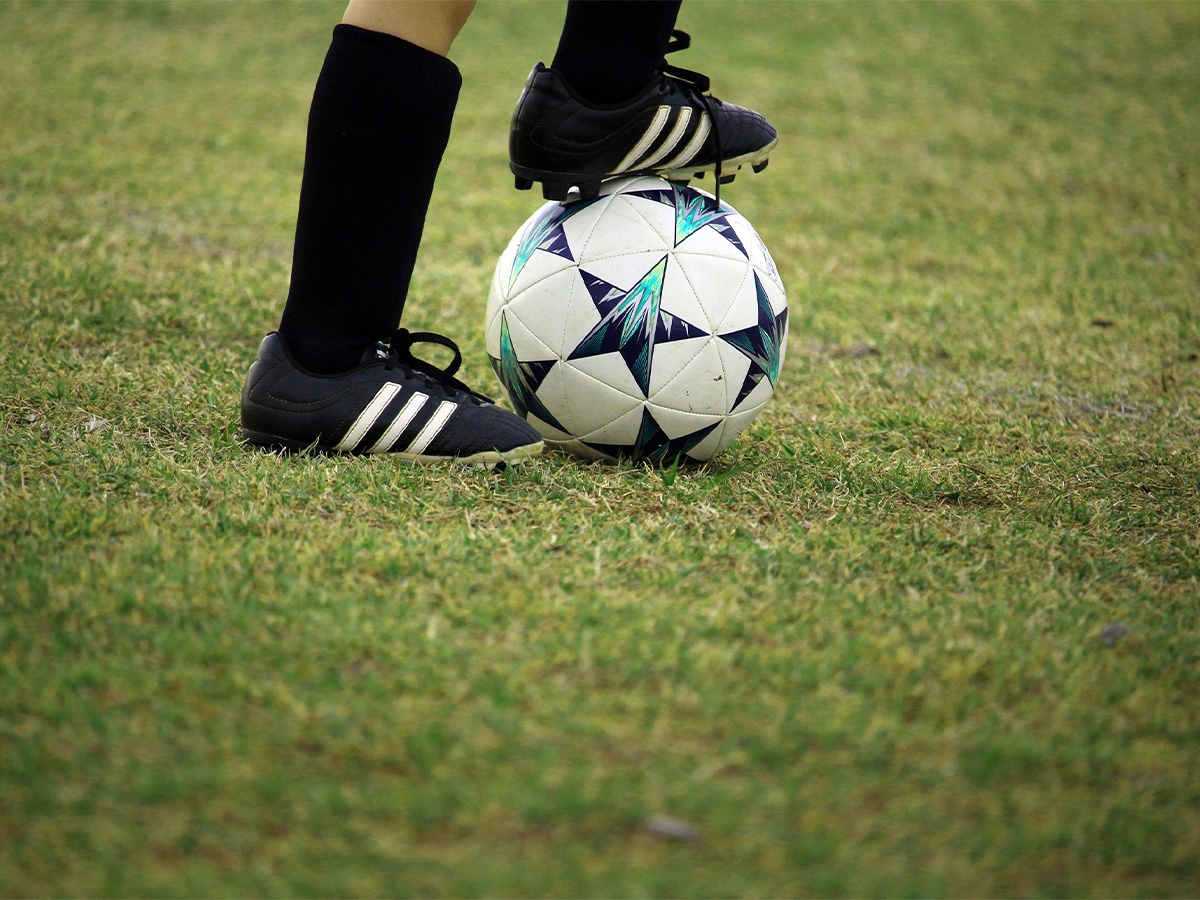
(646, 324)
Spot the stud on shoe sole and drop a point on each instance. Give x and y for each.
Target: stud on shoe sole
(561, 190)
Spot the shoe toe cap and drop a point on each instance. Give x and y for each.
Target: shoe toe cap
(486, 428)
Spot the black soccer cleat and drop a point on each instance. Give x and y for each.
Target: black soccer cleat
(390, 403)
(673, 128)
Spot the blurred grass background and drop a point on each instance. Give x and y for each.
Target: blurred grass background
(928, 629)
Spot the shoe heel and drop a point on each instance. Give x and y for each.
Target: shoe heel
(556, 190)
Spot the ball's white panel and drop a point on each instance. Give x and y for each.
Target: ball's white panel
(719, 286)
(528, 346)
(560, 311)
(679, 296)
(546, 243)
(625, 229)
(642, 223)
(689, 376)
(582, 219)
(578, 318)
(676, 424)
(587, 394)
(540, 266)
(623, 430)
(544, 306)
(608, 369)
(712, 241)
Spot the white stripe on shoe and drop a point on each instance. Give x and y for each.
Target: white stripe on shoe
(358, 430)
(647, 140)
(432, 428)
(693, 146)
(672, 141)
(407, 413)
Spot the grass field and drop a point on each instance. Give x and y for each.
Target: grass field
(930, 628)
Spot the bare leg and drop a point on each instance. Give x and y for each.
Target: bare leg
(432, 24)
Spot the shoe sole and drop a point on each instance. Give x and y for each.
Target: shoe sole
(489, 458)
(558, 185)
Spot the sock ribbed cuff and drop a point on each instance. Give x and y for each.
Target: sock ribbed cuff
(376, 81)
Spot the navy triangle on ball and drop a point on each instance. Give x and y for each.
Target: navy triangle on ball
(761, 343)
(632, 322)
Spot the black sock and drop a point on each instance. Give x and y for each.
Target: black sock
(377, 129)
(610, 49)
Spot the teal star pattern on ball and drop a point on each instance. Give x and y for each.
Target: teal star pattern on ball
(762, 343)
(694, 211)
(653, 445)
(522, 378)
(547, 234)
(632, 322)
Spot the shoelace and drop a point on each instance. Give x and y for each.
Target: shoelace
(398, 352)
(696, 85)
